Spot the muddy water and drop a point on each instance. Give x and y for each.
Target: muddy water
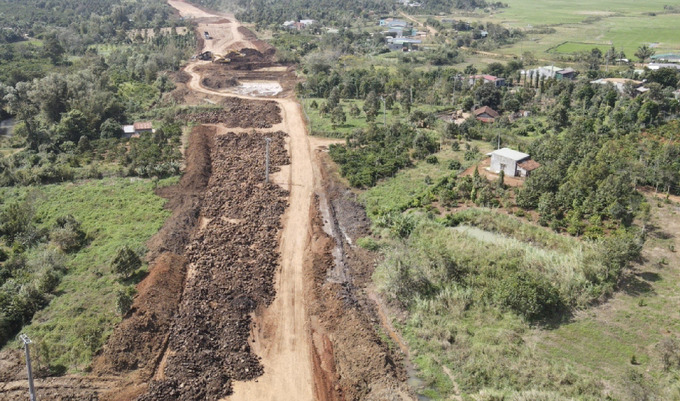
(257, 88)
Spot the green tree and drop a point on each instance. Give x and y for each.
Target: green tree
(488, 95)
(354, 111)
(644, 52)
(53, 49)
(338, 115)
(110, 129)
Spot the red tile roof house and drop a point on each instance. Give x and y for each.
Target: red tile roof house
(498, 82)
(486, 114)
(136, 129)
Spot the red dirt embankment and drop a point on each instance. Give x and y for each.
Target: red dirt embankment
(364, 367)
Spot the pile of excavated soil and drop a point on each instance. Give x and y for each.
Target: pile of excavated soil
(184, 199)
(261, 46)
(241, 113)
(139, 341)
(232, 259)
(213, 83)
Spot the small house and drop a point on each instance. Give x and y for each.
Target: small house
(676, 93)
(486, 114)
(397, 23)
(658, 66)
(136, 129)
(567, 73)
(512, 163)
(498, 82)
(619, 83)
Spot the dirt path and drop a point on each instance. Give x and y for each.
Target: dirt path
(280, 333)
(430, 29)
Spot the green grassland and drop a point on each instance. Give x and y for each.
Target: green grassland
(623, 24)
(113, 213)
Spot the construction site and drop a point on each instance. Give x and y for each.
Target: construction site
(256, 290)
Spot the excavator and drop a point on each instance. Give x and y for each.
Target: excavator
(219, 58)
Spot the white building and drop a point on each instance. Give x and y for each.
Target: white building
(512, 163)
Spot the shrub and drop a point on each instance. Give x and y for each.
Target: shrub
(368, 243)
(126, 262)
(124, 299)
(527, 294)
(454, 165)
(432, 159)
(67, 234)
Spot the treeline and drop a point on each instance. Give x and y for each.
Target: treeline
(274, 13)
(89, 19)
(446, 6)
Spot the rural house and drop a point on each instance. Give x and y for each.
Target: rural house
(136, 129)
(512, 163)
(551, 71)
(498, 82)
(486, 114)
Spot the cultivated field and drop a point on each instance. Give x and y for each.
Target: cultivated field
(624, 24)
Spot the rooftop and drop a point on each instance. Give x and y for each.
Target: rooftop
(145, 125)
(488, 110)
(529, 165)
(510, 154)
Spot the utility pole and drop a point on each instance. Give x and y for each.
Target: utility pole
(31, 389)
(268, 140)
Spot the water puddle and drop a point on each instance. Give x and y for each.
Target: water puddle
(257, 88)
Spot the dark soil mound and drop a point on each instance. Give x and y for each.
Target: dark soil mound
(233, 259)
(241, 113)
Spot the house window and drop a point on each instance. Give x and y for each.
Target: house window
(503, 167)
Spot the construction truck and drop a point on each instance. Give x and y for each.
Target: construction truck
(218, 58)
(205, 56)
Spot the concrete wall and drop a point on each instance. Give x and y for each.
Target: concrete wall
(510, 165)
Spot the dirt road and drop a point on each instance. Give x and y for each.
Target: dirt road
(281, 334)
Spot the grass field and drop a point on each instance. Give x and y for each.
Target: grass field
(113, 212)
(573, 47)
(625, 24)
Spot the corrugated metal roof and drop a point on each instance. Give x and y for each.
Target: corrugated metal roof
(530, 165)
(510, 154)
(146, 125)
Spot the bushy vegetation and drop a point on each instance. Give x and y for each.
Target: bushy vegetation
(375, 153)
(60, 244)
(476, 281)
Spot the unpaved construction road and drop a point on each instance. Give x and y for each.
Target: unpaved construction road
(255, 291)
(281, 335)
